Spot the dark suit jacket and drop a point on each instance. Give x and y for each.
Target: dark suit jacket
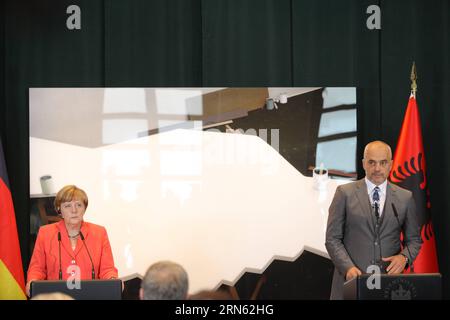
(351, 239)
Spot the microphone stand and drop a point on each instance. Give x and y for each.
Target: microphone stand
(92, 263)
(59, 247)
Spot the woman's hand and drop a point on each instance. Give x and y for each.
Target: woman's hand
(27, 288)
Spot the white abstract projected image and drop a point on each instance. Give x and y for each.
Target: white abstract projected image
(218, 203)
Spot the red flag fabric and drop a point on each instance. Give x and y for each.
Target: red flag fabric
(12, 284)
(409, 172)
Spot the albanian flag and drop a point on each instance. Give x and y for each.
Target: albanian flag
(12, 283)
(409, 172)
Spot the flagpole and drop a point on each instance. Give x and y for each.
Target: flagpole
(413, 78)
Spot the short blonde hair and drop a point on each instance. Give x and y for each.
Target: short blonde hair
(68, 193)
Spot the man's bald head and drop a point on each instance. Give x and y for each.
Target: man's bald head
(378, 144)
(165, 280)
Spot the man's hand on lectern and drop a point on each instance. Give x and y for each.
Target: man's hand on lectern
(397, 265)
(353, 272)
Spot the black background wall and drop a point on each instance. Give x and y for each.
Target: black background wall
(235, 43)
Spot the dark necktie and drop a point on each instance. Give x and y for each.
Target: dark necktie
(376, 201)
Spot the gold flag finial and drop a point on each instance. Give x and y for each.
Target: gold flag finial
(413, 79)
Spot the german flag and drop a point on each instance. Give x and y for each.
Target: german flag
(12, 284)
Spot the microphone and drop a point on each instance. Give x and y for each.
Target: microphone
(59, 245)
(404, 242)
(93, 270)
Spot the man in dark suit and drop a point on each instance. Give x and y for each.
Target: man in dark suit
(362, 229)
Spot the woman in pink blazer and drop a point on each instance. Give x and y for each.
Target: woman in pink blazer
(62, 249)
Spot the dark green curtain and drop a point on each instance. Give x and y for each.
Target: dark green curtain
(236, 43)
(332, 46)
(246, 43)
(153, 43)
